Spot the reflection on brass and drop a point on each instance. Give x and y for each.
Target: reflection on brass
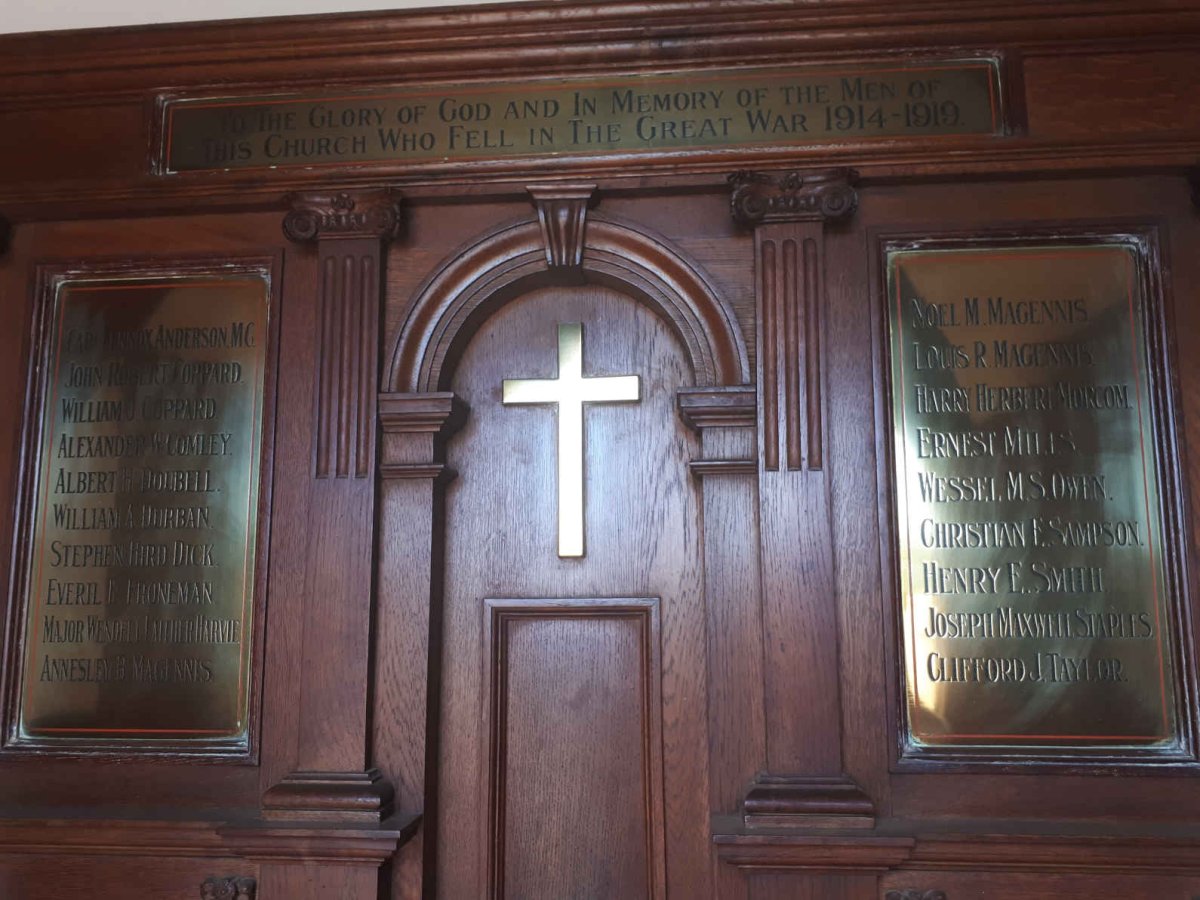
(578, 117)
(141, 574)
(570, 390)
(1031, 549)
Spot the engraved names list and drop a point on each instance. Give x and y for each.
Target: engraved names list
(1031, 553)
(144, 520)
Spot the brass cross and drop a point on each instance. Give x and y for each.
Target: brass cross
(570, 390)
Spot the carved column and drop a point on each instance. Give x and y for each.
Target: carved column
(413, 476)
(726, 419)
(805, 784)
(350, 231)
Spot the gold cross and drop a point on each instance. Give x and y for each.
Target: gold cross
(570, 390)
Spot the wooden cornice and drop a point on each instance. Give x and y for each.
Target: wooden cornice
(535, 38)
(108, 81)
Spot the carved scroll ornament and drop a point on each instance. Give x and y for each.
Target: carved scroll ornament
(363, 214)
(823, 196)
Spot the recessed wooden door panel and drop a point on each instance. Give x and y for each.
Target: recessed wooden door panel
(573, 771)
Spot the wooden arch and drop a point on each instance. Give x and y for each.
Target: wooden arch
(511, 260)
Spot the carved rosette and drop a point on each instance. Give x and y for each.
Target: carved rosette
(361, 214)
(230, 888)
(821, 196)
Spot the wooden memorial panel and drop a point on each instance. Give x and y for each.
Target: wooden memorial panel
(1039, 584)
(140, 569)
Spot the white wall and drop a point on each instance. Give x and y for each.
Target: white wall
(47, 15)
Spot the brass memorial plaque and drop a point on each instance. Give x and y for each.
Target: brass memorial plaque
(140, 576)
(579, 117)
(1038, 617)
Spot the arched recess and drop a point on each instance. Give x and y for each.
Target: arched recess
(511, 260)
(418, 414)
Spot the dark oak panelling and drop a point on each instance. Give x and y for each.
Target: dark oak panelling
(574, 752)
(803, 781)
(506, 468)
(350, 230)
(771, 672)
(726, 420)
(1144, 96)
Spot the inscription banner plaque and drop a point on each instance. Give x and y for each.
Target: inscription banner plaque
(141, 566)
(1038, 616)
(622, 114)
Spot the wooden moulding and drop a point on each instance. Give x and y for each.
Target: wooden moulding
(118, 78)
(415, 429)
(781, 802)
(250, 839)
(335, 796)
(327, 843)
(730, 407)
(445, 43)
(512, 258)
(960, 847)
(734, 406)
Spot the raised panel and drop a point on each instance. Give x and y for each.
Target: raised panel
(642, 539)
(573, 759)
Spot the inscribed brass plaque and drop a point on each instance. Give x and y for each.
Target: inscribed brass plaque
(140, 580)
(1031, 548)
(579, 117)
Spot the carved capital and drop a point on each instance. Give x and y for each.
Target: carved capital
(817, 196)
(342, 214)
(230, 888)
(439, 413)
(719, 407)
(415, 428)
(914, 894)
(562, 214)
